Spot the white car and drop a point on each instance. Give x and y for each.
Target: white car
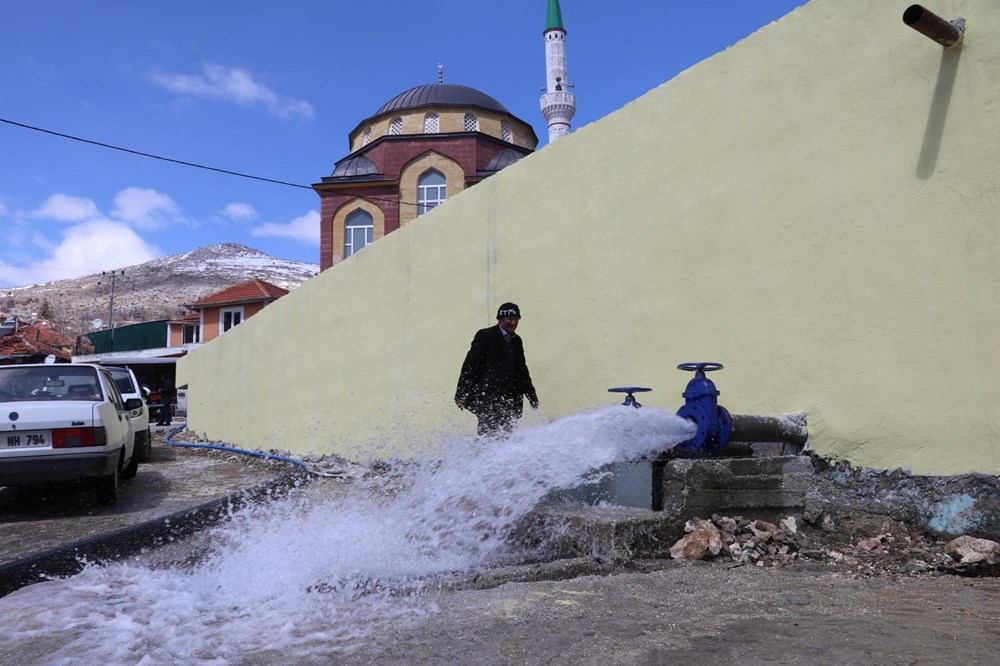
(63, 422)
(128, 386)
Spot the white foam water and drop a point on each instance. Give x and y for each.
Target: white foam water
(302, 579)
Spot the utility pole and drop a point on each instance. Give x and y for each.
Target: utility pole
(112, 275)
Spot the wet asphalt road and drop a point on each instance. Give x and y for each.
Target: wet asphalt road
(36, 519)
(667, 613)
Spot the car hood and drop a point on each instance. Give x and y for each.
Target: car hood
(47, 415)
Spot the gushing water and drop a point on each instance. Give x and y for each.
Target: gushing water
(303, 578)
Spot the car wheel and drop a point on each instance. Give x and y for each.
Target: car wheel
(133, 465)
(146, 450)
(107, 488)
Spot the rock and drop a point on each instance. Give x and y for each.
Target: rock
(763, 530)
(703, 539)
(871, 545)
(726, 524)
(788, 524)
(916, 566)
(969, 550)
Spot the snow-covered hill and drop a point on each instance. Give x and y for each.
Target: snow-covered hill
(157, 289)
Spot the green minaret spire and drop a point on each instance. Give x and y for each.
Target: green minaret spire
(553, 21)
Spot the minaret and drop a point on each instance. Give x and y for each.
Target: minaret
(558, 103)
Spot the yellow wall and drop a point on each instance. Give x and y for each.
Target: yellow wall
(815, 207)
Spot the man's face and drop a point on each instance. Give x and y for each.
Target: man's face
(509, 324)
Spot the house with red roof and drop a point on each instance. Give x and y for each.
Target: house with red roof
(217, 313)
(32, 341)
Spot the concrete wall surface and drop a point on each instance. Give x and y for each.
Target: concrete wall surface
(815, 207)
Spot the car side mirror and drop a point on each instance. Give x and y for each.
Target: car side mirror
(133, 403)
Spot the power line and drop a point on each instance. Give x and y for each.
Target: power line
(150, 155)
(184, 163)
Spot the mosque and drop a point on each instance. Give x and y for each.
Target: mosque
(428, 143)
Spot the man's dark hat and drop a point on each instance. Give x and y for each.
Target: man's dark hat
(509, 310)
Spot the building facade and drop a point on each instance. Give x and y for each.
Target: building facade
(421, 147)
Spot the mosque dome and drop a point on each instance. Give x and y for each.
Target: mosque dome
(441, 94)
(442, 108)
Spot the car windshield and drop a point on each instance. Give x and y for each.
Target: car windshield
(51, 382)
(123, 380)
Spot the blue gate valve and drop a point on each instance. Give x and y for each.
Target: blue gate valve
(629, 399)
(714, 423)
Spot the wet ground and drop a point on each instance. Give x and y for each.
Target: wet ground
(707, 614)
(38, 518)
(838, 603)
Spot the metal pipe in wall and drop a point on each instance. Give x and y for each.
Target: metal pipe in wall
(752, 428)
(927, 23)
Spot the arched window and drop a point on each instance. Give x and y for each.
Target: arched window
(431, 123)
(396, 126)
(358, 232)
(432, 189)
(505, 130)
(471, 122)
(368, 136)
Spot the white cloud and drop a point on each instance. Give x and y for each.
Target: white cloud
(86, 248)
(3, 209)
(145, 208)
(304, 228)
(65, 208)
(233, 84)
(239, 211)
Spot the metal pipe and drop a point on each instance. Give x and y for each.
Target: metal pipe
(927, 23)
(752, 428)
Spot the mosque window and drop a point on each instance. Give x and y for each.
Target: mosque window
(368, 136)
(471, 122)
(505, 130)
(396, 126)
(358, 232)
(432, 189)
(431, 124)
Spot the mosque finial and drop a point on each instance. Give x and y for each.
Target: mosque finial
(440, 73)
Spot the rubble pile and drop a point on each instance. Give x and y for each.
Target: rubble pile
(857, 544)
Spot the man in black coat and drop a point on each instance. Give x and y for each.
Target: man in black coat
(494, 379)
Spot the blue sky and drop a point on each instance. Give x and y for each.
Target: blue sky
(271, 89)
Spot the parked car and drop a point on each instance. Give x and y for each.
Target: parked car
(65, 423)
(128, 386)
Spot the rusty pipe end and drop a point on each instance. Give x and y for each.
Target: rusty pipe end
(927, 23)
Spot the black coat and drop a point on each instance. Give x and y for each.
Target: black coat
(495, 375)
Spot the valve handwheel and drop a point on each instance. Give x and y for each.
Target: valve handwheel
(630, 399)
(700, 367)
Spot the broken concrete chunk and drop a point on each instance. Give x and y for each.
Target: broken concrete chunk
(871, 545)
(702, 539)
(726, 524)
(969, 550)
(788, 524)
(763, 530)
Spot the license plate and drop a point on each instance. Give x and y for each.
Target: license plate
(26, 439)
